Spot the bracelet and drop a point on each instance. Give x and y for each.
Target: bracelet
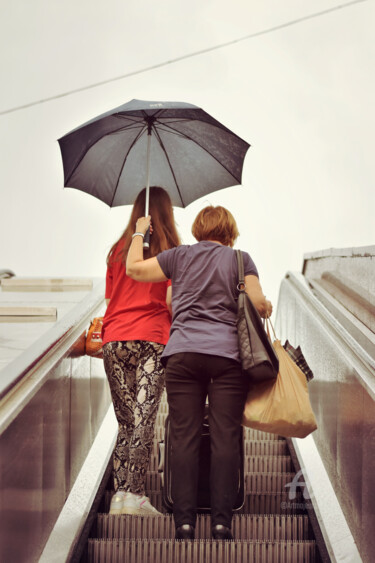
(140, 234)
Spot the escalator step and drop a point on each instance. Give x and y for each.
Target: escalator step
(252, 434)
(268, 464)
(266, 447)
(253, 463)
(268, 482)
(271, 482)
(253, 481)
(256, 502)
(244, 527)
(254, 447)
(200, 551)
(249, 433)
(163, 407)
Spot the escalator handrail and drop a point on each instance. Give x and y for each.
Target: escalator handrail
(303, 287)
(13, 372)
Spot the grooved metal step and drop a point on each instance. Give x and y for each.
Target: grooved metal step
(200, 551)
(266, 447)
(268, 464)
(271, 527)
(163, 406)
(244, 527)
(256, 502)
(252, 464)
(249, 433)
(255, 447)
(274, 481)
(252, 434)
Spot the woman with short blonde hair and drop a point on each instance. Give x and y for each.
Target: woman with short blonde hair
(215, 223)
(202, 359)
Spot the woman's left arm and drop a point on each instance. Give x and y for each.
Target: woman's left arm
(136, 268)
(168, 300)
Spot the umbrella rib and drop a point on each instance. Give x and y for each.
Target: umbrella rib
(124, 162)
(174, 119)
(154, 115)
(133, 118)
(167, 130)
(126, 128)
(203, 148)
(169, 164)
(135, 121)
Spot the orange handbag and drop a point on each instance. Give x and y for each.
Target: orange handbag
(94, 338)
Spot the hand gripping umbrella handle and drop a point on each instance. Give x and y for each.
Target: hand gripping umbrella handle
(146, 239)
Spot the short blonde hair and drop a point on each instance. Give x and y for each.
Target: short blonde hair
(215, 223)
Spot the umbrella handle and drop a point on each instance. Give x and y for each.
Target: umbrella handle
(146, 239)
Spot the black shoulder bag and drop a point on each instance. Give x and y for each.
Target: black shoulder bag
(258, 357)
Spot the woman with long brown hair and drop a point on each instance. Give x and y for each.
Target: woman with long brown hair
(135, 331)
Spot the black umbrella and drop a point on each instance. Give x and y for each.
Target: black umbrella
(171, 144)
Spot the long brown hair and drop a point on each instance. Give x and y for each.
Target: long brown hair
(164, 233)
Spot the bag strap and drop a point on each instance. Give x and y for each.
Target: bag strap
(267, 323)
(241, 276)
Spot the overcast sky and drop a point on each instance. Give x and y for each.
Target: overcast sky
(302, 96)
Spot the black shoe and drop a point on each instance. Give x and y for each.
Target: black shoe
(185, 532)
(220, 532)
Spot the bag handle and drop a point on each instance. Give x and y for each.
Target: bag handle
(241, 276)
(267, 322)
(241, 287)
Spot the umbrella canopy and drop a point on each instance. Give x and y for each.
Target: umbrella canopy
(171, 144)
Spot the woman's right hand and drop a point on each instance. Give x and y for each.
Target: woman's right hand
(142, 225)
(268, 312)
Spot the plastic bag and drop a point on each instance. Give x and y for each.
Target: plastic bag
(282, 407)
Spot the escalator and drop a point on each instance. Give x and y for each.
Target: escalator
(329, 310)
(272, 525)
(306, 500)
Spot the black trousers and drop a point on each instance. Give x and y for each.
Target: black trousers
(190, 378)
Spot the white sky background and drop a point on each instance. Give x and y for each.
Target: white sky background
(303, 97)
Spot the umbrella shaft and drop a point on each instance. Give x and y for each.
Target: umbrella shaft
(146, 243)
(148, 174)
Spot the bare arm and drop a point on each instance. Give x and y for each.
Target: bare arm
(136, 267)
(169, 299)
(254, 291)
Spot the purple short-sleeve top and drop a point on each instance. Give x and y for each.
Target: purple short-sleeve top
(204, 280)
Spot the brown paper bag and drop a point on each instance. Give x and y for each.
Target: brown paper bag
(281, 407)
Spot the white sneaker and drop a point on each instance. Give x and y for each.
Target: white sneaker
(138, 504)
(117, 502)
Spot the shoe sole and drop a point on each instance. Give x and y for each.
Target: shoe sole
(115, 511)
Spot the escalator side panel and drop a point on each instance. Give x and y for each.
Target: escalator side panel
(342, 402)
(42, 450)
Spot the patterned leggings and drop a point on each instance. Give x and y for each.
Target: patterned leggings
(136, 379)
